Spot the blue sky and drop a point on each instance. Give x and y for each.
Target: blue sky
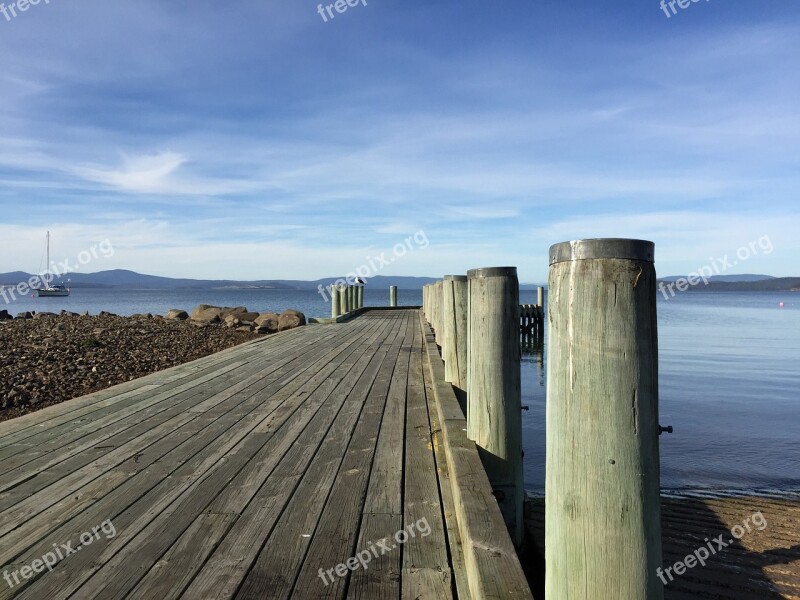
(254, 140)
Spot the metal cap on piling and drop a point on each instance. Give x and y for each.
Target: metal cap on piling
(455, 277)
(602, 248)
(492, 272)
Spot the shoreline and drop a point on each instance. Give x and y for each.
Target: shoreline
(47, 359)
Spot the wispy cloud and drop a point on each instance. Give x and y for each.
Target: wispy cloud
(159, 174)
(515, 130)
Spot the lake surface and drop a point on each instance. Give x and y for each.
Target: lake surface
(729, 383)
(729, 376)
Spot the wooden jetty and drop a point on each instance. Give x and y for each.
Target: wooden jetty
(265, 471)
(336, 462)
(604, 538)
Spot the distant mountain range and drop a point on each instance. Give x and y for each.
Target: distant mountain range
(724, 278)
(741, 283)
(122, 279)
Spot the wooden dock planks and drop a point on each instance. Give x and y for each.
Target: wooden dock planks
(246, 474)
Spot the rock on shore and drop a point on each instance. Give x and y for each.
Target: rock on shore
(46, 358)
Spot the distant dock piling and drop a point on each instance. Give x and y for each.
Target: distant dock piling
(335, 311)
(343, 294)
(434, 310)
(393, 295)
(603, 530)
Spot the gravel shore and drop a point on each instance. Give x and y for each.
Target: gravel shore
(47, 360)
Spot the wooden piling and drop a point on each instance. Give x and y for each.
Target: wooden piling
(603, 534)
(360, 292)
(334, 302)
(494, 420)
(343, 307)
(393, 295)
(434, 309)
(454, 347)
(432, 306)
(438, 311)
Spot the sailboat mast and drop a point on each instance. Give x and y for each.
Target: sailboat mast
(47, 264)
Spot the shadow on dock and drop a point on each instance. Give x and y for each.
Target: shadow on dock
(763, 564)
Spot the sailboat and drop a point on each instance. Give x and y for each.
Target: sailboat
(51, 291)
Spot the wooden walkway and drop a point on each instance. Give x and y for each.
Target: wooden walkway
(253, 473)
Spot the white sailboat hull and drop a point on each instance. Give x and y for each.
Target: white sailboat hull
(52, 293)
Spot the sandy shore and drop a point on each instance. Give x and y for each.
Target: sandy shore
(48, 360)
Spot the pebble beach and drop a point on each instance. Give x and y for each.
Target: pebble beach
(46, 358)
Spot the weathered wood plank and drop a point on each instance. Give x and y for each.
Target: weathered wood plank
(382, 579)
(213, 488)
(169, 520)
(178, 566)
(426, 568)
(203, 393)
(190, 466)
(493, 568)
(383, 506)
(228, 567)
(454, 543)
(273, 574)
(385, 491)
(334, 540)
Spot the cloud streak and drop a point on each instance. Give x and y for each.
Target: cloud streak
(513, 131)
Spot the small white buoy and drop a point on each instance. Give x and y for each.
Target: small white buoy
(780, 304)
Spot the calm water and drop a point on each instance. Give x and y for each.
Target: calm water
(130, 302)
(729, 376)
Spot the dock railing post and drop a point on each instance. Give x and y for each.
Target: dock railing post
(360, 296)
(334, 301)
(393, 295)
(454, 348)
(603, 530)
(494, 397)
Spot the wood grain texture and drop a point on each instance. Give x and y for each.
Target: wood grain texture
(454, 346)
(246, 473)
(494, 393)
(602, 483)
(491, 563)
